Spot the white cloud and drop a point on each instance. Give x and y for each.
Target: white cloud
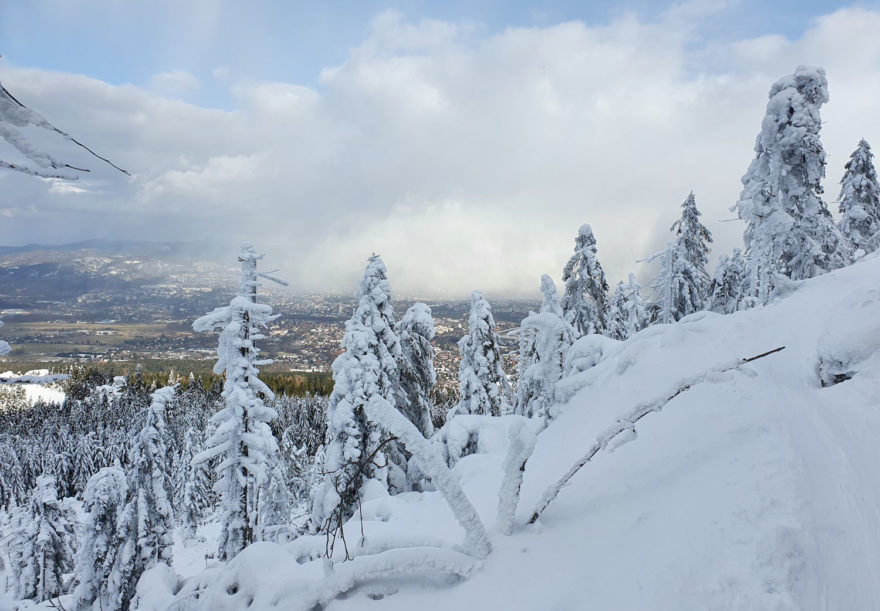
(177, 83)
(467, 160)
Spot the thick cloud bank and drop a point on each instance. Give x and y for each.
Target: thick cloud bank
(466, 159)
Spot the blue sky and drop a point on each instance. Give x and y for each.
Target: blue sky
(464, 141)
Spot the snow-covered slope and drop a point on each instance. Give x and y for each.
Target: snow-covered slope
(756, 488)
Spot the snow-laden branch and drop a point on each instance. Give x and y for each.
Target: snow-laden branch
(408, 562)
(13, 115)
(521, 445)
(224, 590)
(35, 172)
(386, 416)
(624, 430)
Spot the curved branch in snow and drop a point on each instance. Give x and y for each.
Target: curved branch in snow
(385, 415)
(624, 429)
(521, 445)
(393, 563)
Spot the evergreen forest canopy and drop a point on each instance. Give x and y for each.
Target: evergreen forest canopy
(146, 459)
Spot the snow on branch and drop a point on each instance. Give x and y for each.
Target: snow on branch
(383, 413)
(521, 445)
(410, 562)
(34, 171)
(624, 430)
(228, 589)
(15, 115)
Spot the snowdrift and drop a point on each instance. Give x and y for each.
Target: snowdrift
(756, 488)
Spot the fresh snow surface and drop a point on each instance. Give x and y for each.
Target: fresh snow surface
(38, 384)
(757, 488)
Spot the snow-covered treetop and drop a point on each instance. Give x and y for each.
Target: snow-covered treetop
(789, 226)
(418, 319)
(860, 199)
(480, 320)
(551, 298)
(584, 301)
(691, 234)
(248, 258)
(790, 135)
(374, 286)
(233, 337)
(809, 81)
(161, 398)
(46, 492)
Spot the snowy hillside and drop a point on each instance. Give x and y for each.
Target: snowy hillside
(756, 488)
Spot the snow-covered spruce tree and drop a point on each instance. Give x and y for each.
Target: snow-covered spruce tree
(42, 550)
(585, 300)
(789, 229)
(860, 200)
(12, 487)
(633, 314)
(690, 280)
(416, 366)
(661, 308)
(541, 366)
(276, 501)
(242, 441)
(146, 523)
(357, 449)
(103, 497)
(482, 383)
(527, 353)
(192, 486)
(616, 312)
(727, 294)
(297, 466)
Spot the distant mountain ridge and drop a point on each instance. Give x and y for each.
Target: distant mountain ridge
(143, 247)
